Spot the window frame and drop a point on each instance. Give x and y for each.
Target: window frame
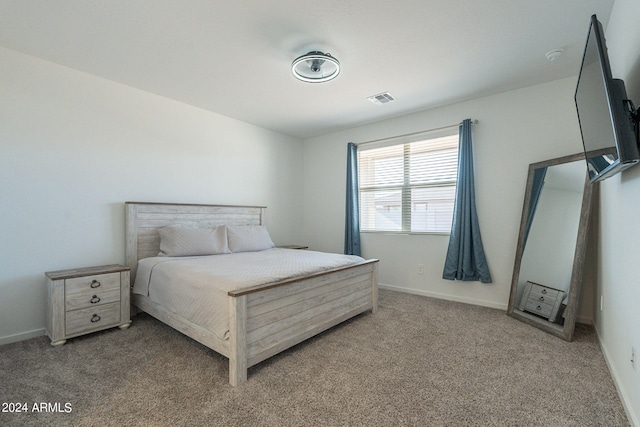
(406, 187)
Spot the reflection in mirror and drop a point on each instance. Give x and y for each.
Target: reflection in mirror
(553, 217)
(552, 245)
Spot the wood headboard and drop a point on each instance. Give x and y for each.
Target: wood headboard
(144, 219)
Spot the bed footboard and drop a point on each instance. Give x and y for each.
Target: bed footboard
(266, 320)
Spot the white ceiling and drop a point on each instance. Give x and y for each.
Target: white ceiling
(233, 57)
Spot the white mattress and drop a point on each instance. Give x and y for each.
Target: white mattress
(196, 287)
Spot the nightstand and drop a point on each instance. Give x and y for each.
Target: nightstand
(85, 300)
(541, 300)
(293, 247)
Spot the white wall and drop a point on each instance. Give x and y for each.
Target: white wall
(74, 148)
(516, 128)
(618, 324)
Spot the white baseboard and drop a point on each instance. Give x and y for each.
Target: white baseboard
(447, 297)
(21, 336)
(628, 409)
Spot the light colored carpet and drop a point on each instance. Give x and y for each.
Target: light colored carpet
(417, 362)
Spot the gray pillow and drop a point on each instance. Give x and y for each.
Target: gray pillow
(189, 241)
(248, 238)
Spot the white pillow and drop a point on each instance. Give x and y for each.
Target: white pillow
(188, 241)
(248, 238)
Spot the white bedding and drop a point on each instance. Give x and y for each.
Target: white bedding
(196, 287)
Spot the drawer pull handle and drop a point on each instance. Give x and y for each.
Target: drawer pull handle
(544, 291)
(541, 298)
(94, 299)
(537, 308)
(95, 284)
(95, 318)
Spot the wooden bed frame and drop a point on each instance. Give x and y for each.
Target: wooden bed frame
(263, 320)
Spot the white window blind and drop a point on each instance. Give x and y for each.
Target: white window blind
(408, 187)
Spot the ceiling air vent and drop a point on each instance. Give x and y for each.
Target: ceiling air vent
(381, 98)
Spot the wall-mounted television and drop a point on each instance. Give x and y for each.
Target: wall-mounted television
(608, 120)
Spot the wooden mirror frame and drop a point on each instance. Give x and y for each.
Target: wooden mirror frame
(562, 331)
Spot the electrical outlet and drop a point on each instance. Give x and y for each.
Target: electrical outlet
(420, 268)
(632, 359)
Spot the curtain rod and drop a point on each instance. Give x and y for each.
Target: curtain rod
(473, 122)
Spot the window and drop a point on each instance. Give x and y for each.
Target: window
(409, 187)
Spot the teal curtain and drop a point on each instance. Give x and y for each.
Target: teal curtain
(352, 219)
(536, 189)
(465, 256)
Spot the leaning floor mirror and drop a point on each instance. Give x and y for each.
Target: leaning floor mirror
(552, 245)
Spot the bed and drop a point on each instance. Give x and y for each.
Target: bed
(264, 319)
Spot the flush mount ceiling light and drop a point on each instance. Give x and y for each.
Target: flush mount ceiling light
(315, 67)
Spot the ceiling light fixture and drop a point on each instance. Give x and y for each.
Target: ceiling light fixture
(315, 67)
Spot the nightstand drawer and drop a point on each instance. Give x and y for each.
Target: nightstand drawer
(541, 291)
(96, 282)
(539, 308)
(92, 299)
(546, 299)
(92, 318)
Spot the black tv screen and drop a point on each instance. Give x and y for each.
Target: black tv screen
(604, 113)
